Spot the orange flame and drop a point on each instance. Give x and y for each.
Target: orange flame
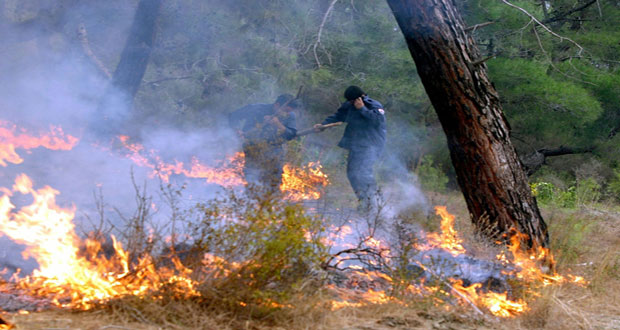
(527, 265)
(529, 262)
(10, 140)
(497, 303)
(303, 183)
(297, 183)
(68, 279)
(228, 173)
(448, 238)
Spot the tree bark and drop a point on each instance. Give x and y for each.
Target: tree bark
(135, 55)
(488, 170)
(118, 98)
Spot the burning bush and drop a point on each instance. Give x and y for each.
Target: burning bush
(259, 251)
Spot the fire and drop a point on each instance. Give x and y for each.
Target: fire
(303, 183)
(66, 277)
(11, 139)
(522, 265)
(228, 173)
(529, 263)
(297, 183)
(448, 238)
(497, 303)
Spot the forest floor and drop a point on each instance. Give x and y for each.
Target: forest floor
(585, 242)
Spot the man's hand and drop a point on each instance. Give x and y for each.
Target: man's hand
(318, 128)
(358, 103)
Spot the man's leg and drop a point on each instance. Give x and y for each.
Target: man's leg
(360, 174)
(252, 167)
(271, 170)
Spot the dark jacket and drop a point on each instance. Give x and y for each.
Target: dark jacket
(365, 127)
(252, 118)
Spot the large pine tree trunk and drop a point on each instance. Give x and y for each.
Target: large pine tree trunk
(489, 173)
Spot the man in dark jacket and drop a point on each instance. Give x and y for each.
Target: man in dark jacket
(364, 137)
(265, 128)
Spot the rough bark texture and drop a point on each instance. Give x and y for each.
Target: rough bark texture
(135, 55)
(118, 98)
(488, 170)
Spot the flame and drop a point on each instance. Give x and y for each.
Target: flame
(228, 173)
(525, 265)
(447, 239)
(297, 183)
(531, 263)
(303, 183)
(68, 279)
(497, 303)
(10, 140)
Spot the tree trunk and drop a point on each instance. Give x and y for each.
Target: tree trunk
(117, 100)
(135, 55)
(488, 170)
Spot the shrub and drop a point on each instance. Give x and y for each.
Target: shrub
(431, 178)
(587, 191)
(613, 188)
(260, 250)
(548, 194)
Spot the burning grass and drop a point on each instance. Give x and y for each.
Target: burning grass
(252, 261)
(256, 258)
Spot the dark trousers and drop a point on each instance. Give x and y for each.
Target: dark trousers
(360, 174)
(263, 167)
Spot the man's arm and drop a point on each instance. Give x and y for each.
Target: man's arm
(290, 127)
(372, 110)
(340, 115)
(236, 118)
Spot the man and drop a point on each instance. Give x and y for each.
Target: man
(265, 128)
(364, 138)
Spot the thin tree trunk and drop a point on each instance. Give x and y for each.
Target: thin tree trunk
(135, 55)
(117, 100)
(488, 170)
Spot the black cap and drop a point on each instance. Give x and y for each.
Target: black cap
(289, 100)
(353, 92)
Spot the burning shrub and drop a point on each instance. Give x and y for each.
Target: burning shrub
(259, 250)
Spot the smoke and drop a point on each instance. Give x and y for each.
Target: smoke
(47, 80)
(197, 73)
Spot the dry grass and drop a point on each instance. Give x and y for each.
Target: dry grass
(594, 255)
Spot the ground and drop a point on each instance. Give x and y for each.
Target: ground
(586, 242)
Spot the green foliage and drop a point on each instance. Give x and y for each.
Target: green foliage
(587, 191)
(539, 105)
(431, 177)
(548, 194)
(262, 249)
(613, 188)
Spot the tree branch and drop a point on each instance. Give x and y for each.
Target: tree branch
(544, 26)
(532, 162)
(475, 27)
(83, 37)
(561, 16)
(318, 37)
